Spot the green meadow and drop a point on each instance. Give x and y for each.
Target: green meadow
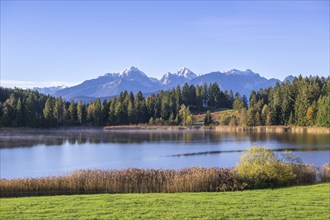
(302, 202)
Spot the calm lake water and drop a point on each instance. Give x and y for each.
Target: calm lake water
(36, 153)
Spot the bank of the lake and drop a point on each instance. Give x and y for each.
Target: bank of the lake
(268, 129)
(303, 202)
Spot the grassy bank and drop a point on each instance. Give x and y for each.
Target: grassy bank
(303, 202)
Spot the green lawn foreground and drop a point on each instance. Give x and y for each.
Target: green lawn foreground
(304, 202)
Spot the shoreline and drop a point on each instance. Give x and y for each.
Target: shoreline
(258, 129)
(217, 128)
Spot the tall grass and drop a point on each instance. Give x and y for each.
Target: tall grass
(123, 181)
(196, 179)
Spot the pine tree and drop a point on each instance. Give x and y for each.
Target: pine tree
(287, 103)
(269, 118)
(72, 110)
(185, 94)
(58, 111)
(19, 113)
(81, 112)
(309, 116)
(120, 115)
(192, 96)
(250, 117)
(214, 96)
(32, 110)
(264, 114)
(131, 113)
(112, 118)
(323, 114)
(48, 112)
(301, 105)
(98, 116)
(165, 109)
(231, 99)
(90, 112)
(244, 99)
(208, 118)
(238, 102)
(185, 116)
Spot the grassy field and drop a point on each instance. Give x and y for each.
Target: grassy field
(304, 202)
(216, 115)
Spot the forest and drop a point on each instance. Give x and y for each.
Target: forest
(303, 102)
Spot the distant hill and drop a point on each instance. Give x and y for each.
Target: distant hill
(238, 81)
(49, 90)
(133, 79)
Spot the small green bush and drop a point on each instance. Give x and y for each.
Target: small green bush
(260, 168)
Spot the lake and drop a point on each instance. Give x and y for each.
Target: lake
(38, 153)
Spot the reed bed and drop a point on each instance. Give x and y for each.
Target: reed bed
(195, 179)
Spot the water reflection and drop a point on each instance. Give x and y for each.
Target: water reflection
(240, 151)
(52, 137)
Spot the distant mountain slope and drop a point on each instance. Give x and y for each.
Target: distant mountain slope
(133, 79)
(111, 84)
(288, 78)
(49, 90)
(170, 80)
(238, 81)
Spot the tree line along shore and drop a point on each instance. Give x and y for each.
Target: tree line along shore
(303, 102)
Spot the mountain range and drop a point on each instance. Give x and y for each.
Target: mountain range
(133, 79)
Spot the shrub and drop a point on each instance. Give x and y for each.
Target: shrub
(151, 121)
(224, 120)
(259, 168)
(304, 173)
(325, 172)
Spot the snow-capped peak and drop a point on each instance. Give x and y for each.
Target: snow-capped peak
(132, 70)
(186, 73)
(110, 75)
(166, 78)
(232, 71)
(239, 72)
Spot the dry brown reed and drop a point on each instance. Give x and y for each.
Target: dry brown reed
(195, 179)
(304, 174)
(325, 172)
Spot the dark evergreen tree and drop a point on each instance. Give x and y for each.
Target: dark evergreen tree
(208, 118)
(214, 96)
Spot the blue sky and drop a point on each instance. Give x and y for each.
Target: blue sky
(60, 42)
